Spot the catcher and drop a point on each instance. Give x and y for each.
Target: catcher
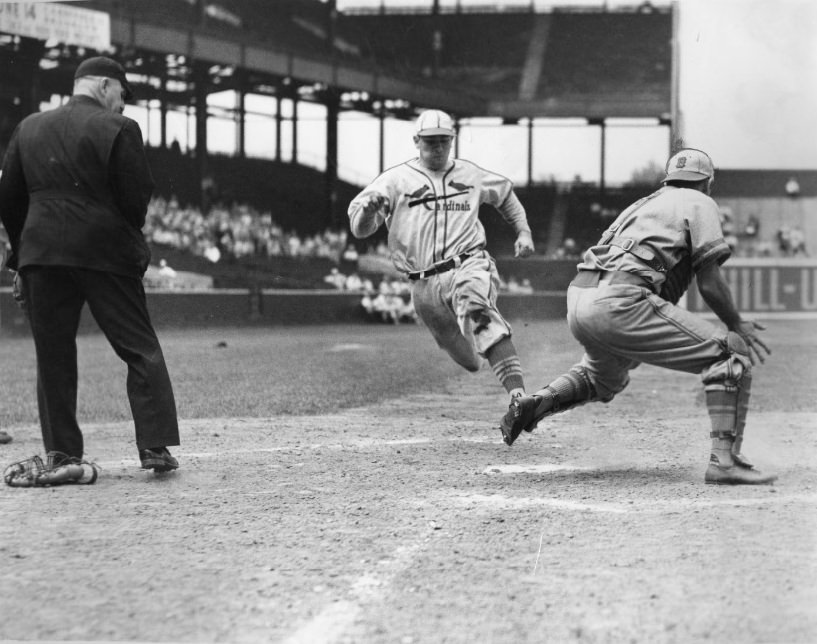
(622, 309)
(430, 205)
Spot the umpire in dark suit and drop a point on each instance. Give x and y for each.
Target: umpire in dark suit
(73, 196)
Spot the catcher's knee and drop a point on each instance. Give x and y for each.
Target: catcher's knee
(607, 393)
(734, 366)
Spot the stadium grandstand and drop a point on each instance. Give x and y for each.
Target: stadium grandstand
(513, 62)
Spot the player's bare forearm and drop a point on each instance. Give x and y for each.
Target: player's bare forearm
(715, 292)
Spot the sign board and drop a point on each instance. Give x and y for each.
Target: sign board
(767, 286)
(51, 21)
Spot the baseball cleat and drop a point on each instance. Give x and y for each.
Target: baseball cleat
(521, 416)
(736, 474)
(157, 459)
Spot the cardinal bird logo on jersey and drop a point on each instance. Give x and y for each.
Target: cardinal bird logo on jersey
(460, 186)
(418, 197)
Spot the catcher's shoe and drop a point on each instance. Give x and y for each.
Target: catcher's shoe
(521, 415)
(738, 473)
(157, 459)
(5, 437)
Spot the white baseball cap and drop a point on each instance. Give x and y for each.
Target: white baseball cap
(434, 123)
(689, 164)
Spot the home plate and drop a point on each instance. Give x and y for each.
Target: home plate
(531, 469)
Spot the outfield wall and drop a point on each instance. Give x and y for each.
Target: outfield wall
(768, 288)
(241, 307)
(761, 287)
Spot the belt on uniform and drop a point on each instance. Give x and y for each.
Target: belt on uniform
(589, 279)
(442, 267)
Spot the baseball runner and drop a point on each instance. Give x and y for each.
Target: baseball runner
(430, 205)
(622, 309)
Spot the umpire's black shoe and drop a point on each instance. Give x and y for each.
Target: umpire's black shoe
(521, 415)
(157, 459)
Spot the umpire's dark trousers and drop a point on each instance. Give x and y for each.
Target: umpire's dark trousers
(55, 296)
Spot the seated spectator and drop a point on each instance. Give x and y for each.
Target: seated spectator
(350, 254)
(793, 187)
(211, 252)
(165, 270)
(784, 240)
(390, 302)
(335, 278)
(354, 283)
(752, 227)
(797, 243)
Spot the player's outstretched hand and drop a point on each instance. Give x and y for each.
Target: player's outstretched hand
(524, 245)
(758, 349)
(375, 204)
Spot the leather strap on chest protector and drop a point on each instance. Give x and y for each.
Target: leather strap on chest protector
(628, 244)
(643, 253)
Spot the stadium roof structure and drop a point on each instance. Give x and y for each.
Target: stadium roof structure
(514, 63)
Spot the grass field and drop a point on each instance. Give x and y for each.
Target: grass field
(348, 484)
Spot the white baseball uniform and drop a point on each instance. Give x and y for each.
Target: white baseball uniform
(433, 223)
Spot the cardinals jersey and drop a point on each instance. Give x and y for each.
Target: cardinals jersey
(433, 215)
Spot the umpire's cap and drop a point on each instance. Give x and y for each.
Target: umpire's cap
(107, 67)
(689, 164)
(434, 123)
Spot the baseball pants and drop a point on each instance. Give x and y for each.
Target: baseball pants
(459, 309)
(622, 325)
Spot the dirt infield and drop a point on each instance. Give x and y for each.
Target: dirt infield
(408, 520)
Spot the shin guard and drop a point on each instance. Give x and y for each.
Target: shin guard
(728, 386)
(567, 391)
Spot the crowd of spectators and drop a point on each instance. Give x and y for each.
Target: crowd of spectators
(746, 241)
(235, 232)
(240, 231)
(387, 301)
